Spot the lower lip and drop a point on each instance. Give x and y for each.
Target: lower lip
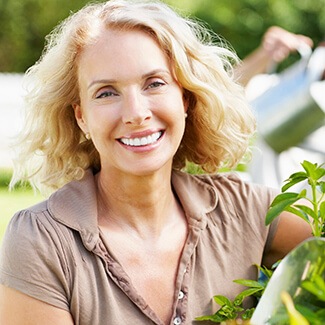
(143, 149)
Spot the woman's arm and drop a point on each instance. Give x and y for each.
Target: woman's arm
(17, 308)
(276, 45)
(291, 231)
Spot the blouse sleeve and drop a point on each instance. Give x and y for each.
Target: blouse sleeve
(250, 203)
(32, 260)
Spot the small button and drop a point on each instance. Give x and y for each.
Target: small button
(181, 295)
(177, 321)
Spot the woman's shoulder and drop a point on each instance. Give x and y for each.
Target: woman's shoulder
(225, 184)
(236, 193)
(30, 226)
(33, 255)
(67, 211)
(232, 181)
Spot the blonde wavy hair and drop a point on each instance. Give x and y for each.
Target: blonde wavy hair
(54, 150)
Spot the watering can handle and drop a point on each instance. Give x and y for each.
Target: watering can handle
(303, 50)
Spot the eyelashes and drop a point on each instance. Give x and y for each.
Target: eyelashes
(156, 84)
(107, 92)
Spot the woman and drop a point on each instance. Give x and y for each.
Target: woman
(125, 94)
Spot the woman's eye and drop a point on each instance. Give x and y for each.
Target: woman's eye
(104, 94)
(156, 84)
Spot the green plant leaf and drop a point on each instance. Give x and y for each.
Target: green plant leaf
(267, 272)
(309, 167)
(213, 318)
(222, 300)
(293, 180)
(229, 312)
(248, 314)
(298, 212)
(320, 172)
(316, 287)
(321, 187)
(307, 210)
(284, 197)
(246, 293)
(248, 283)
(313, 317)
(322, 210)
(279, 204)
(321, 315)
(314, 171)
(320, 282)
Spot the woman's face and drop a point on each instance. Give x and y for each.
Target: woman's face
(130, 102)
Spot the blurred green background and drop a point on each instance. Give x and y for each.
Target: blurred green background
(24, 23)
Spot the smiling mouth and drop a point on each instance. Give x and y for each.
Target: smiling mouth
(143, 141)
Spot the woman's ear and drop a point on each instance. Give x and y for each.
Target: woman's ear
(80, 118)
(187, 100)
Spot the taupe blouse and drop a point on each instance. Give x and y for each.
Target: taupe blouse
(54, 251)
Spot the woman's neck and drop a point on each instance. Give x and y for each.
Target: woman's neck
(144, 205)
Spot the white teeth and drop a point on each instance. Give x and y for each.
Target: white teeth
(143, 141)
(136, 142)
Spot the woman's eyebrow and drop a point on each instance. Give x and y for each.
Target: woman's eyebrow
(101, 81)
(144, 76)
(156, 71)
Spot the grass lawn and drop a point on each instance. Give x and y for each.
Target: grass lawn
(11, 202)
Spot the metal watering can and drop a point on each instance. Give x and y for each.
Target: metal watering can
(288, 111)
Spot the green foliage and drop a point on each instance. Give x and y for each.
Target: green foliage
(314, 215)
(315, 284)
(24, 24)
(313, 307)
(23, 27)
(314, 318)
(194, 169)
(5, 176)
(229, 310)
(234, 309)
(243, 22)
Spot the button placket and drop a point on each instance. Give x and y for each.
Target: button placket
(181, 295)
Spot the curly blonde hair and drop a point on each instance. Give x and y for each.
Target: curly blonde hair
(219, 125)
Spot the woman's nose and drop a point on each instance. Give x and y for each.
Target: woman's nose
(135, 108)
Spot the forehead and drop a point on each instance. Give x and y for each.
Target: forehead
(122, 48)
(122, 56)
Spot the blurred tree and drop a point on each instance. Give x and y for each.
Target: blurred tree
(23, 27)
(243, 22)
(24, 23)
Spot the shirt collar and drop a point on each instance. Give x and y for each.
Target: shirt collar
(196, 194)
(75, 204)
